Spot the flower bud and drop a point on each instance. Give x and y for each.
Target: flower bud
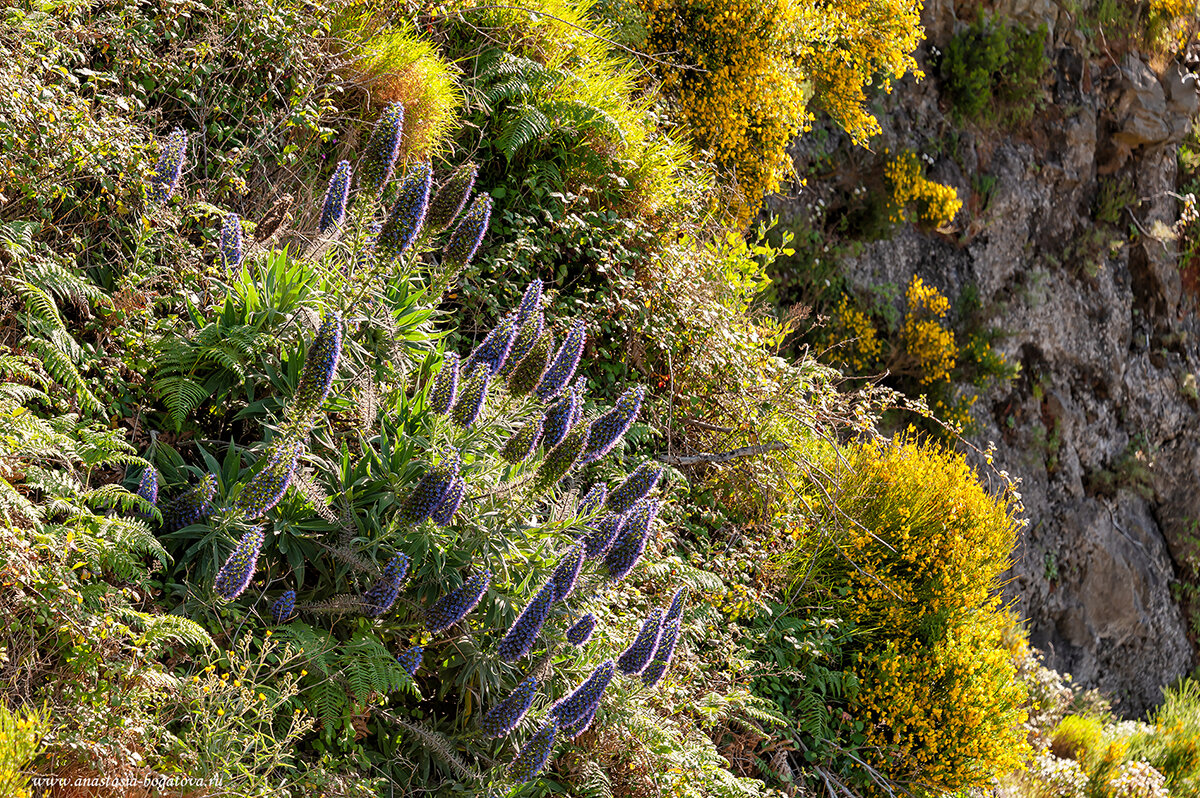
(169, 168)
(636, 486)
(454, 606)
(467, 236)
(532, 757)
(561, 416)
(379, 159)
(448, 203)
(635, 658)
(662, 655)
(410, 660)
(567, 573)
(445, 385)
(602, 534)
(470, 401)
(519, 639)
(444, 514)
(191, 506)
(427, 496)
(609, 428)
(407, 214)
(586, 696)
(380, 597)
(504, 717)
(627, 549)
(320, 367)
(231, 242)
(238, 570)
(494, 348)
(528, 373)
(283, 607)
(337, 195)
(581, 631)
(267, 487)
(560, 372)
(561, 458)
(523, 442)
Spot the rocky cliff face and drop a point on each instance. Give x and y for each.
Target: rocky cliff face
(1103, 425)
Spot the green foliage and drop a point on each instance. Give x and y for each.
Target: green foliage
(993, 71)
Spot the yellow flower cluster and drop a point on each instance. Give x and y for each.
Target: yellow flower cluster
(935, 204)
(938, 694)
(927, 340)
(855, 329)
(746, 70)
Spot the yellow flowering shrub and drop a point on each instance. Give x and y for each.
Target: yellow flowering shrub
(928, 342)
(935, 204)
(860, 348)
(922, 552)
(745, 71)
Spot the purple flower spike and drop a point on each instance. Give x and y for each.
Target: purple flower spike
(236, 573)
(561, 458)
(561, 416)
(267, 487)
(191, 506)
(504, 717)
(337, 196)
(494, 348)
(636, 486)
(410, 660)
(169, 168)
(320, 367)
(565, 362)
(635, 658)
(454, 606)
(531, 301)
(586, 696)
(628, 547)
(283, 607)
(609, 428)
(593, 500)
(581, 631)
(407, 215)
(529, 332)
(448, 203)
(379, 160)
(445, 385)
(532, 757)
(675, 607)
(581, 724)
(521, 636)
(523, 442)
(470, 401)
(444, 514)
(148, 485)
(429, 493)
(467, 236)
(602, 534)
(662, 655)
(528, 373)
(380, 597)
(231, 242)
(567, 573)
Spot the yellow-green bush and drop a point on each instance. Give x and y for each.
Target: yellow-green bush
(761, 65)
(21, 734)
(928, 341)
(920, 553)
(1172, 745)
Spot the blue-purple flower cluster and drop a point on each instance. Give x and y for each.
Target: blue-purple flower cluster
(494, 348)
(504, 717)
(518, 448)
(382, 150)
(283, 607)
(470, 401)
(467, 235)
(662, 655)
(407, 214)
(627, 549)
(148, 485)
(444, 514)
(593, 500)
(236, 573)
(560, 372)
(528, 373)
(636, 486)
(584, 699)
(337, 196)
(191, 506)
(382, 594)
(231, 242)
(320, 367)
(410, 659)
(608, 429)
(445, 385)
(519, 639)
(566, 574)
(454, 606)
(561, 458)
(533, 755)
(169, 168)
(675, 606)
(448, 203)
(267, 487)
(581, 631)
(426, 498)
(602, 534)
(635, 658)
(529, 333)
(561, 416)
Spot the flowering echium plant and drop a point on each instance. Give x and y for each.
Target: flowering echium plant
(506, 426)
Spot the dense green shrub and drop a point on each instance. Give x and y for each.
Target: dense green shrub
(993, 71)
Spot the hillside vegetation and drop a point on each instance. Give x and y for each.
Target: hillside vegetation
(392, 405)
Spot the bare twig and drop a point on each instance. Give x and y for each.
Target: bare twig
(723, 457)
